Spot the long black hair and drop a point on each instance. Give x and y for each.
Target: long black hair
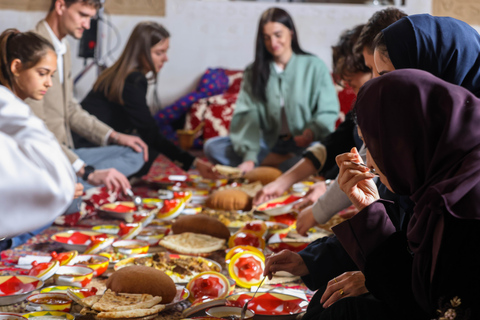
(261, 65)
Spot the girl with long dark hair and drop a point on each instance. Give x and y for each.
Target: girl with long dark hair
(287, 101)
(118, 97)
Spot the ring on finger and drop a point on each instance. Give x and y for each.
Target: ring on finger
(335, 279)
(341, 292)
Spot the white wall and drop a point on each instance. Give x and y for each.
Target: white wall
(218, 34)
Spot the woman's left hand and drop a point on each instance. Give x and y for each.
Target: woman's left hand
(206, 169)
(348, 284)
(134, 142)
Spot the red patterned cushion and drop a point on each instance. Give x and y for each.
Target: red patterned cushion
(234, 80)
(218, 115)
(217, 111)
(196, 115)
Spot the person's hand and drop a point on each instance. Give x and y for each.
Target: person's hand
(111, 178)
(285, 260)
(305, 139)
(348, 213)
(78, 190)
(270, 191)
(205, 169)
(356, 181)
(314, 192)
(348, 284)
(246, 166)
(305, 221)
(133, 142)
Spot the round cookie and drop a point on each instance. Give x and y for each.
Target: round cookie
(142, 279)
(229, 199)
(203, 224)
(263, 174)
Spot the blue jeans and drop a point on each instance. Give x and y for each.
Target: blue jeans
(220, 150)
(124, 159)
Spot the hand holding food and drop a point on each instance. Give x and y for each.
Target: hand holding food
(314, 192)
(356, 181)
(246, 166)
(285, 260)
(305, 221)
(270, 191)
(205, 169)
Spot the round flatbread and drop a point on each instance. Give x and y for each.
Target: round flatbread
(134, 313)
(192, 243)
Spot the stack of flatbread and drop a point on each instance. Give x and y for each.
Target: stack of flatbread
(121, 305)
(192, 243)
(227, 171)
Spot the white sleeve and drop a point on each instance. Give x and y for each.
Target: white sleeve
(334, 199)
(37, 180)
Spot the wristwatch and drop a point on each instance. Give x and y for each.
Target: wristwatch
(87, 171)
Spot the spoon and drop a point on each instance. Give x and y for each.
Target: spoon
(372, 171)
(137, 200)
(244, 309)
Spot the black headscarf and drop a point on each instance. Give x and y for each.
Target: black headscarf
(444, 46)
(423, 134)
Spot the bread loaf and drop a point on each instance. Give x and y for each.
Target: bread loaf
(263, 174)
(229, 199)
(203, 224)
(142, 279)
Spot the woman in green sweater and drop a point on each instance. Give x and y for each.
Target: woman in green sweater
(287, 101)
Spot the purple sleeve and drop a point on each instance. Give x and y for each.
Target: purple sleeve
(364, 232)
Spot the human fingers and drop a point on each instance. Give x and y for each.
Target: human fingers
(144, 146)
(348, 284)
(305, 221)
(265, 193)
(333, 292)
(274, 262)
(114, 183)
(354, 283)
(348, 213)
(246, 166)
(78, 190)
(304, 202)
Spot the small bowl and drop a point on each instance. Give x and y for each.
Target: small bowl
(73, 276)
(106, 228)
(295, 246)
(228, 312)
(78, 240)
(44, 270)
(56, 289)
(14, 289)
(11, 316)
(49, 315)
(98, 263)
(129, 231)
(152, 234)
(130, 247)
(280, 205)
(49, 302)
